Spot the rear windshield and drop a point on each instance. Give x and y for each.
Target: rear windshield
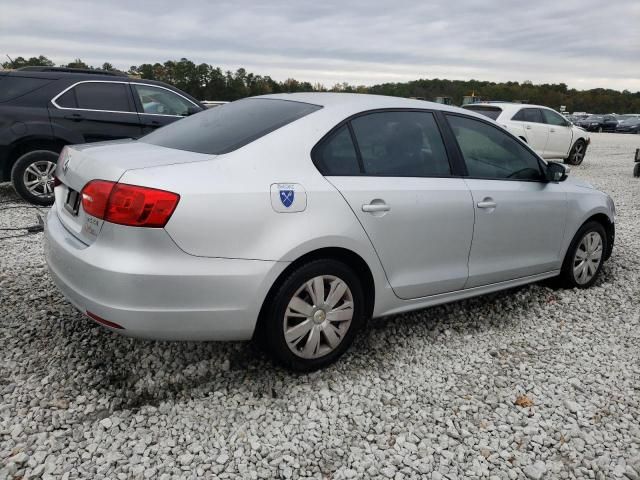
(229, 127)
(13, 87)
(491, 112)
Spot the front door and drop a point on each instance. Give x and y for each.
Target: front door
(398, 182)
(560, 136)
(97, 110)
(519, 217)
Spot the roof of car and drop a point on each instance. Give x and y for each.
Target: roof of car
(506, 105)
(360, 101)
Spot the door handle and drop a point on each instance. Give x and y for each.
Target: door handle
(76, 117)
(376, 207)
(528, 127)
(552, 130)
(487, 203)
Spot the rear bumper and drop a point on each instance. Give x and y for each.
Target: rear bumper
(146, 284)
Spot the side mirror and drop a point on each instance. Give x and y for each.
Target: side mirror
(192, 110)
(557, 172)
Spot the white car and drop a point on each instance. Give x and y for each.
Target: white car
(542, 128)
(293, 218)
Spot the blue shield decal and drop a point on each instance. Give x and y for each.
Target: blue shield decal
(286, 197)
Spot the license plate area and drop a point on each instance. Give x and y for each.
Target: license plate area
(72, 204)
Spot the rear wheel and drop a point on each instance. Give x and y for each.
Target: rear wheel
(315, 315)
(577, 153)
(636, 170)
(584, 259)
(32, 176)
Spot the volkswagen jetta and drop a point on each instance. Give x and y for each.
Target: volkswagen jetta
(293, 218)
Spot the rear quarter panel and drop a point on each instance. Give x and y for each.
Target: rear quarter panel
(225, 207)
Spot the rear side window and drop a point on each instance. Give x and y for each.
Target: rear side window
(13, 87)
(225, 129)
(401, 144)
(103, 96)
(337, 155)
(492, 112)
(532, 115)
(490, 153)
(68, 99)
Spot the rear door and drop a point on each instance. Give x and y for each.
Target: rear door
(159, 106)
(519, 217)
(560, 136)
(97, 110)
(536, 130)
(393, 169)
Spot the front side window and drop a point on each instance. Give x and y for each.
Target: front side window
(552, 118)
(231, 126)
(490, 153)
(113, 97)
(401, 144)
(532, 115)
(337, 154)
(161, 101)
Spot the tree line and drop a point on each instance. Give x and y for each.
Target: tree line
(206, 82)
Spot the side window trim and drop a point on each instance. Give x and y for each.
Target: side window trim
(454, 163)
(129, 98)
(139, 105)
(356, 146)
(541, 163)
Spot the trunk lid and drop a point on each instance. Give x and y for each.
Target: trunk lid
(79, 164)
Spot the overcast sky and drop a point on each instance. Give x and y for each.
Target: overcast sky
(584, 43)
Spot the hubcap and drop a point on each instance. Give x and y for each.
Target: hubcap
(38, 178)
(587, 258)
(578, 153)
(318, 316)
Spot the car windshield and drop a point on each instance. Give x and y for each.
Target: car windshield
(229, 127)
(594, 118)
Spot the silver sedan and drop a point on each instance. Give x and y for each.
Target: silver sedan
(293, 218)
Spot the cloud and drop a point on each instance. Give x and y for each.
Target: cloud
(584, 43)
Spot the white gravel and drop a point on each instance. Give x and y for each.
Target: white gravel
(430, 394)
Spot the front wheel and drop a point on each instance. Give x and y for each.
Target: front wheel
(32, 176)
(315, 315)
(584, 259)
(577, 153)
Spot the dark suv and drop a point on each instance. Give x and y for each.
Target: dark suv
(42, 109)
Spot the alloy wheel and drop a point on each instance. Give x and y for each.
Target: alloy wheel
(38, 178)
(587, 258)
(578, 153)
(318, 316)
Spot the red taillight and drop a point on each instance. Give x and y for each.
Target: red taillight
(95, 195)
(128, 204)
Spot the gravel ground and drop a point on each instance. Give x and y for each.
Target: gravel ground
(530, 383)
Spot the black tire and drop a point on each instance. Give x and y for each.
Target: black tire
(636, 170)
(36, 159)
(567, 278)
(577, 153)
(273, 328)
